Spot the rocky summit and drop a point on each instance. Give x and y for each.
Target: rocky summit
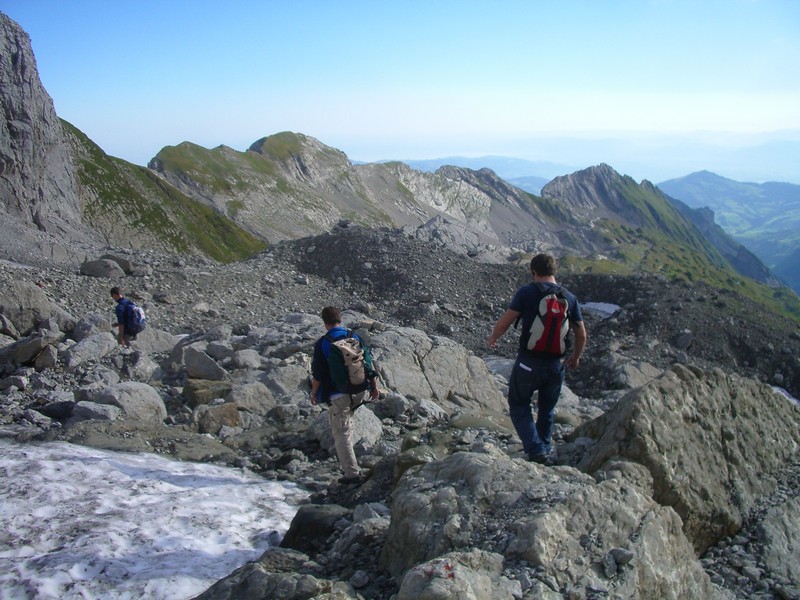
(676, 466)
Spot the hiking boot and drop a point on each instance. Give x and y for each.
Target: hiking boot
(541, 459)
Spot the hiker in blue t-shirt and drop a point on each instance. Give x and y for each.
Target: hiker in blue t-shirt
(342, 404)
(121, 312)
(534, 369)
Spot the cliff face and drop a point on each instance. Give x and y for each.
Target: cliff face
(62, 196)
(37, 177)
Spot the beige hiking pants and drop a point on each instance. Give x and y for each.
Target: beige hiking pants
(341, 419)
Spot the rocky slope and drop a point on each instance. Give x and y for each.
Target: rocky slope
(233, 390)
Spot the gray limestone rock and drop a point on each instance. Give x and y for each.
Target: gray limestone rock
(91, 324)
(710, 441)
(25, 305)
(200, 365)
(102, 267)
(92, 348)
(473, 575)
(252, 397)
(137, 400)
(27, 349)
(435, 367)
(780, 533)
(92, 410)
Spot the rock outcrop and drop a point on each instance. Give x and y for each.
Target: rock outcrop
(38, 185)
(711, 442)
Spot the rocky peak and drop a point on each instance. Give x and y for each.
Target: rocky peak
(38, 185)
(302, 157)
(484, 180)
(596, 190)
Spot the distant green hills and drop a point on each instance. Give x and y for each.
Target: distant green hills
(764, 217)
(131, 205)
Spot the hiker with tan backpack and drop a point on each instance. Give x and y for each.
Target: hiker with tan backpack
(341, 375)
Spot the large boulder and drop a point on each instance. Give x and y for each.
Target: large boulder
(712, 443)
(279, 574)
(202, 391)
(473, 575)
(200, 365)
(312, 524)
(367, 428)
(252, 397)
(780, 534)
(435, 367)
(25, 305)
(91, 324)
(92, 348)
(102, 267)
(287, 381)
(576, 531)
(28, 348)
(137, 400)
(153, 340)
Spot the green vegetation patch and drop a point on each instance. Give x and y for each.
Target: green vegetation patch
(134, 197)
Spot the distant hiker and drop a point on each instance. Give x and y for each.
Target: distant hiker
(341, 374)
(547, 311)
(130, 318)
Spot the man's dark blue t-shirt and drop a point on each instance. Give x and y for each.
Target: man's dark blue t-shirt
(122, 312)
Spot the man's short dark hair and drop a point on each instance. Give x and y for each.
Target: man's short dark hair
(115, 291)
(331, 315)
(544, 265)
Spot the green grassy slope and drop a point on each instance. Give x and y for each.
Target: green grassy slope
(132, 205)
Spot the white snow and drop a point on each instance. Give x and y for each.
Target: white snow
(786, 394)
(603, 309)
(76, 522)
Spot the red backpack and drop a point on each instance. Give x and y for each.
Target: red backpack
(550, 326)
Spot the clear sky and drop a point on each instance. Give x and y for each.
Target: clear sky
(656, 88)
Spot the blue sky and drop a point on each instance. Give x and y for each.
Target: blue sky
(655, 88)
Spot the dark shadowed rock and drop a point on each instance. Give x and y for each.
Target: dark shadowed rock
(312, 524)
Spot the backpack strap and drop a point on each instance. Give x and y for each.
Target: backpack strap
(558, 289)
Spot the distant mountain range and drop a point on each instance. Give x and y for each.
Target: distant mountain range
(764, 217)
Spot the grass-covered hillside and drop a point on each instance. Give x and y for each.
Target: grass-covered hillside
(764, 217)
(131, 204)
(643, 231)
